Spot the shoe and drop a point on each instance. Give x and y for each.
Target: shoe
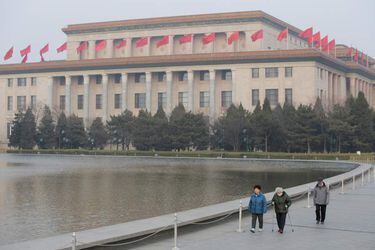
(252, 230)
(322, 222)
(260, 230)
(281, 231)
(317, 222)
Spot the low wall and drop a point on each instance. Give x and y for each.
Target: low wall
(132, 229)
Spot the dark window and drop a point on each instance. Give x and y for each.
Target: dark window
(80, 80)
(204, 99)
(61, 80)
(226, 99)
(118, 102)
(289, 96)
(183, 98)
(272, 96)
(162, 76)
(226, 75)
(10, 103)
(98, 79)
(255, 73)
(62, 102)
(204, 75)
(162, 100)
(117, 78)
(140, 77)
(33, 102)
(10, 82)
(80, 102)
(33, 81)
(254, 97)
(21, 82)
(98, 101)
(182, 76)
(272, 72)
(140, 100)
(21, 103)
(288, 71)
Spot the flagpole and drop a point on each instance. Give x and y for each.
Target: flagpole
(287, 38)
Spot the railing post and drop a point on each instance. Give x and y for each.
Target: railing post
(342, 186)
(369, 175)
(308, 197)
(175, 233)
(74, 241)
(362, 179)
(353, 182)
(240, 218)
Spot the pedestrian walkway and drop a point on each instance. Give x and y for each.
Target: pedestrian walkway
(350, 224)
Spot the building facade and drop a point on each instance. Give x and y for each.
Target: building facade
(205, 78)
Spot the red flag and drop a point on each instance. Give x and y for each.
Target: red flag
(362, 58)
(206, 39)
(315, 38)
(356, 56)
(82, 46)
(307, 33)
(100, 45)
(163, 41)
(367, 61)
(24, 60)
(332, 44)
(62, 48)
(121, 44)
(186, 39)
(282, 35)
(9, 54)
(324, 43)
(235, 36)
(44, 50)
(257, 35)
(25, 51)
(141, 42)
(349, 51)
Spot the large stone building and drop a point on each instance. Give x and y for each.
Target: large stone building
(203, 77)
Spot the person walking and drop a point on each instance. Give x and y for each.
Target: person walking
(257, 207)
(321, 200)
(281, 202)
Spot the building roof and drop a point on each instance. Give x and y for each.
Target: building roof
(224, 58)
(188, 20)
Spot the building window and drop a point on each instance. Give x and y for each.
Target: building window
(21, 103)
(33, 101)
(80, 80)
(321, 73)
(10, 103)
(226, 75)
(98, 79)
(204, 99)
(226, 99)
(140, 77)
(118, 102)
(272, 72)
(272, 96)
(288, 71)
(162, 76)
(99, 101)
(117, 78)
(80, 102)
(62, 102)
(289, 96)
(33, 81)
(61, 80)
(21, 82)
(254, 97)
(182, 76)
(140, 100)
(183, 98)
(10, 82)
(162, 100)
(204, 75)
(9, 130)
(255, 72)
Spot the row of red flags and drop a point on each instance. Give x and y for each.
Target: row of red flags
(314, 40)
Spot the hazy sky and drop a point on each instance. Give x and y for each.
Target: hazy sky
(37, 22)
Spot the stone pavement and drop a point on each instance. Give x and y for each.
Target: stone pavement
(350, 224)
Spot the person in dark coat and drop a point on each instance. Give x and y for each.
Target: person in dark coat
(257, 207)
(321, 200)
(281, 202)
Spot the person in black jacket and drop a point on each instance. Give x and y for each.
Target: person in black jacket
(281, 202)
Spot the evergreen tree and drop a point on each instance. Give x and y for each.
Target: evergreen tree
(75, 134)
(120, 129)
(15, 135)
(278, 138)
(97, 135)
(200, 138)
(46, 130)
(180, 137)
(289, 121)
(28, 130)
(340, 128)
(161, 138)
(306, 127)
(143, 131)
(322, 122)
(61, 132)
(262, 124)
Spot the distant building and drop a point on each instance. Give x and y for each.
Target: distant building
(205, 78)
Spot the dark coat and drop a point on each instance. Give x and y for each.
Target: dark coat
(258, 204)
(321, 195)
(281, 203)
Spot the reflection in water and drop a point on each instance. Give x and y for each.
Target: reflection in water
(46, 195)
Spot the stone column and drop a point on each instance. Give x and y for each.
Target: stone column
(124, 88)
(50, 93)
(86, 101)
(109, 49)
(330, 90)
(169, 92)
(91, 49)
(68, 89)
(191, 90)
(212, 96)
(235, 100)
(128, 47)
(170, 45)
(105, 97)
(352, 86)
(148, 91)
